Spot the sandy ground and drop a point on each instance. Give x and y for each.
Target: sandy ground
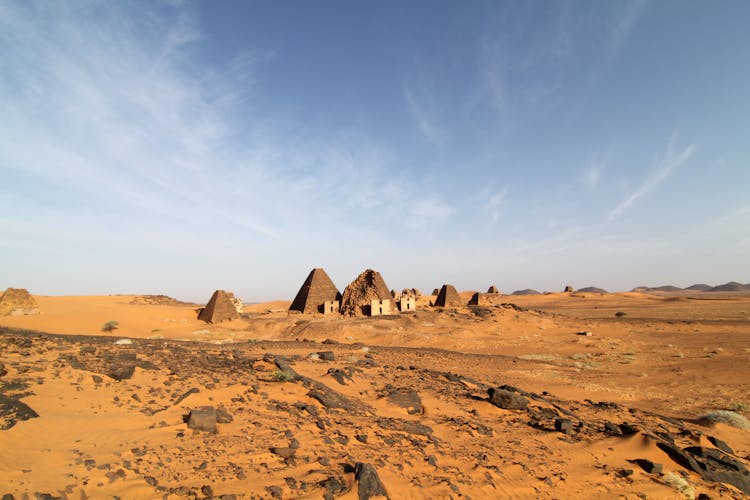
(111, 414)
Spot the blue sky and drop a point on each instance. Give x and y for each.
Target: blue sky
(181, 147)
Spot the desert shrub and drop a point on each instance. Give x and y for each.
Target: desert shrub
(737, 406)
(727, 418)
(620, 314)
(282, 376)
(110, 326)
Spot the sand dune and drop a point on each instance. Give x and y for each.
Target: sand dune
(303, 400)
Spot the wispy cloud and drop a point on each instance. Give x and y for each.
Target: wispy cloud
(665, 166)
(494, 203)
(625, 18)
(594, 169)
(423, 116)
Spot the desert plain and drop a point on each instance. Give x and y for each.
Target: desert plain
(558, 395)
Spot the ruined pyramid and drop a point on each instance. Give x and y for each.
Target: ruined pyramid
(17, 302)
(315, 291)
(448, 297)
(360, 293)
(219, 308)
(493, 289)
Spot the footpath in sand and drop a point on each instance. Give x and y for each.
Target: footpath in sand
(488, 402)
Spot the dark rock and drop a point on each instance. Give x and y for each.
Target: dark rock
(339, 375)
(396, 424)
(612, 429)
(97, 379)
(333, 487)
(190, 391)
(625, 472)
(122, 366)
(648, 465)
(330, 342)
(207, 490)
(3, 371)
(362, 438)
(275, 491)
(283, 452)
(564, 425)
(711, 464)
(506, 399)
(202, 419)
(368, 482)
(326, 356)
(12, 411)
(407, 399)
(223, 416)
(721, 445)
(8, 496)
(628, 430)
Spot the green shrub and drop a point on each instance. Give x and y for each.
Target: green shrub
(110, 326)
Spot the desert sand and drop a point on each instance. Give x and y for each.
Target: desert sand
(540, 396)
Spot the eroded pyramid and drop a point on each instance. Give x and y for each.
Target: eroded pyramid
(448, 297)
(315, 291)
(17, 302)
(219, 308)
(360, 293)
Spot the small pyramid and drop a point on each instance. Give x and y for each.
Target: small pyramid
(315, 291)
(17, 302)
(219, 308)
(493, 289)
(448, 297)
(435, 291)
(569, 289)
(358, 296)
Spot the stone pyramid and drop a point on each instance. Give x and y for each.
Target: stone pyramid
(493, 289)
(219, 308)
(315, 291)
(448, 297)
(360, 293)
(17, 302)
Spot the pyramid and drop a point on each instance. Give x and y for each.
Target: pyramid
(360, 293)
(219, 308)
(493, 289)
(448, 297)
(17, 302)
(315, 291)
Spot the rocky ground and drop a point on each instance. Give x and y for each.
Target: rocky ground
(106, 417)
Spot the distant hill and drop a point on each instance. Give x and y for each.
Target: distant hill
(592, 289)
(528, 291)
(732, 286)
(700, 287)
(663, 288)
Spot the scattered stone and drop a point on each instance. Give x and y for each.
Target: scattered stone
(648, 465)
(333, 487)
(564, 425)
(397, 424)
(506, 399)
(283, 452)
(368, 482)
(721, 445)
(584, 334)
(612, 429)
(326, 355)
(122, 366)
(202, 419)
(275, 491)
(97, 379)
(628, 430)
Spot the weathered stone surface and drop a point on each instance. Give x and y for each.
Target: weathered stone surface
(448, 297)
(358, 296)
(17, 302)
(368, 482)
(506, 399)
(326, 355)
(202, 419)
(710, 464)
(220, 308)
(564, 425)
(485, 299)
(314, 292)
(721, 445)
